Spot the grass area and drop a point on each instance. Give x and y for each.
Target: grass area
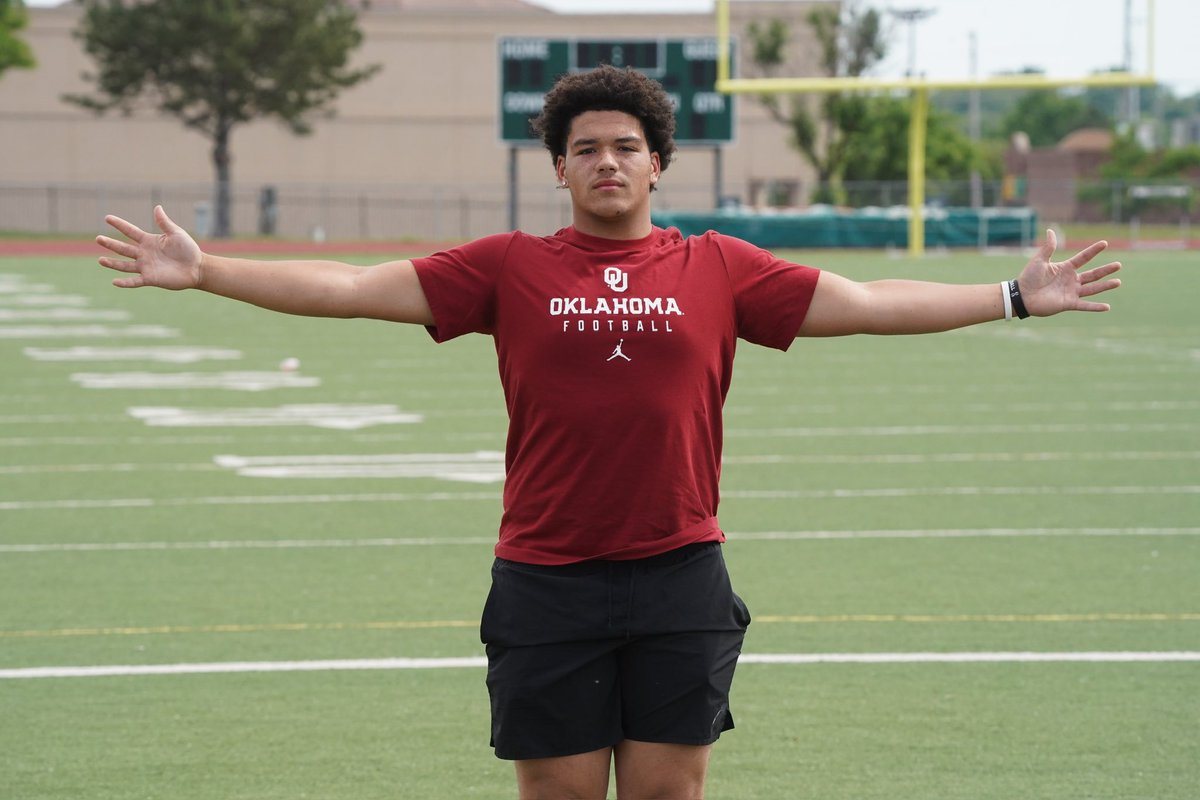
(1093, 231)
(1016, 487)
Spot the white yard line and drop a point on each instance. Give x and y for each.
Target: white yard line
(253, 544)
(853, 459)
(965, 430)
(432, 541)
(479, 662)
(743, 494)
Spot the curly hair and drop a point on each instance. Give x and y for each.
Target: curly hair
(608, 88)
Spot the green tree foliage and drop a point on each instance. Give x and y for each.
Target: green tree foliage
(1132, 165)
(13, 51)
(216, 64)
(858, 137)
(851, 43)
(1047, 116)
(879, 149)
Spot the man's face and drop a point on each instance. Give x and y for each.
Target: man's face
(608, 167)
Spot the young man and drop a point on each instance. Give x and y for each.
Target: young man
(611, 629)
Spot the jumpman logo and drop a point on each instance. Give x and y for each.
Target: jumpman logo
(617, 352)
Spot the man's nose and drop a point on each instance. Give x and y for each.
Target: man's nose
(607, 161)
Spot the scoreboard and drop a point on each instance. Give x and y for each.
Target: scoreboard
(687, 69)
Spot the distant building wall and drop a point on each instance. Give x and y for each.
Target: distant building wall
(424, 126)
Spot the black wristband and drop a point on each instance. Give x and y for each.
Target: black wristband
(1018, 305)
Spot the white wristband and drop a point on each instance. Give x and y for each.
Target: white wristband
(1007, 300)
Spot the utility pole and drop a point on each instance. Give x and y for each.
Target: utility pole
(973, 122)
(1131, 104)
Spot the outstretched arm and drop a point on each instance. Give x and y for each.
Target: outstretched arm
(841, 306)
(173, 260)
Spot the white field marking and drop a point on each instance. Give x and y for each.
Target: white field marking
(745, 494)
(1136, 406)
(954, 533)
(482, 466)
(335, 416)
(1078, 428)
(896, 458)
(55, 469)
(1080, 407)
(87, 332)
(1113, 346)
(445, 624)
(958, 491)
(62, 315)
(1026, 657)
(57, 419)
(229, 381)
(429, 541)
(474, 662)
(480, 662)
(165, 354)
(249, 544)
(963, 458)
(246, 500)
(495, 437)
(19, 284)
(60, 300)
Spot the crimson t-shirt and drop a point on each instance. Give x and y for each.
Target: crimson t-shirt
(615, 357)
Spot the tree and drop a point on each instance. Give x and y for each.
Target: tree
(851, 43)
(216, 64)
(13, 51)
(880, 151)
(863, 137)
(1047, 116)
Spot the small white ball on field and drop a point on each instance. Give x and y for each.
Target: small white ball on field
(290, 364)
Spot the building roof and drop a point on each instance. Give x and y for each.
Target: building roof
(1088, 140)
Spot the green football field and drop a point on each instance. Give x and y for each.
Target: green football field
(973, 559)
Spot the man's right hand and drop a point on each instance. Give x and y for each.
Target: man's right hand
(170, 260)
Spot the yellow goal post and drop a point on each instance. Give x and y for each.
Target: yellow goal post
(919, 89)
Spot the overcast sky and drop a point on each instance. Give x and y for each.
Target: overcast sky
(1066, 38)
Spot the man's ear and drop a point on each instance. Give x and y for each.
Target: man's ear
(560, 169)
(655, 168)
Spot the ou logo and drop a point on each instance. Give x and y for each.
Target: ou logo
(616, 279)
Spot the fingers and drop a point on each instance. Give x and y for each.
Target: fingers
(165, 223)
(118, 264)
(1087, 290)
(120, 248)
(132, 282)
(1087, 254)
(1096, 274)
(1049, 245)
(128, 228)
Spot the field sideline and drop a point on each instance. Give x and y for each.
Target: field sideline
(972, 558)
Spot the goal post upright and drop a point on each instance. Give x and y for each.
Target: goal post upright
(918, 89)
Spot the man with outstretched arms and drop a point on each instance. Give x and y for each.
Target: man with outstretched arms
(611, 628)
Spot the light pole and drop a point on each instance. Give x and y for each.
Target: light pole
(912, 16)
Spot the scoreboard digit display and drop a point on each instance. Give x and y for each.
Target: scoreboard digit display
(687, 69)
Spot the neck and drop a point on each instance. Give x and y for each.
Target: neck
(634, 226)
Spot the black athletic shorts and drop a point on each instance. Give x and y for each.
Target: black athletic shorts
(582, 656)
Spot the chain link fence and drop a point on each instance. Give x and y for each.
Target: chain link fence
(426, 213)
(438, 213)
